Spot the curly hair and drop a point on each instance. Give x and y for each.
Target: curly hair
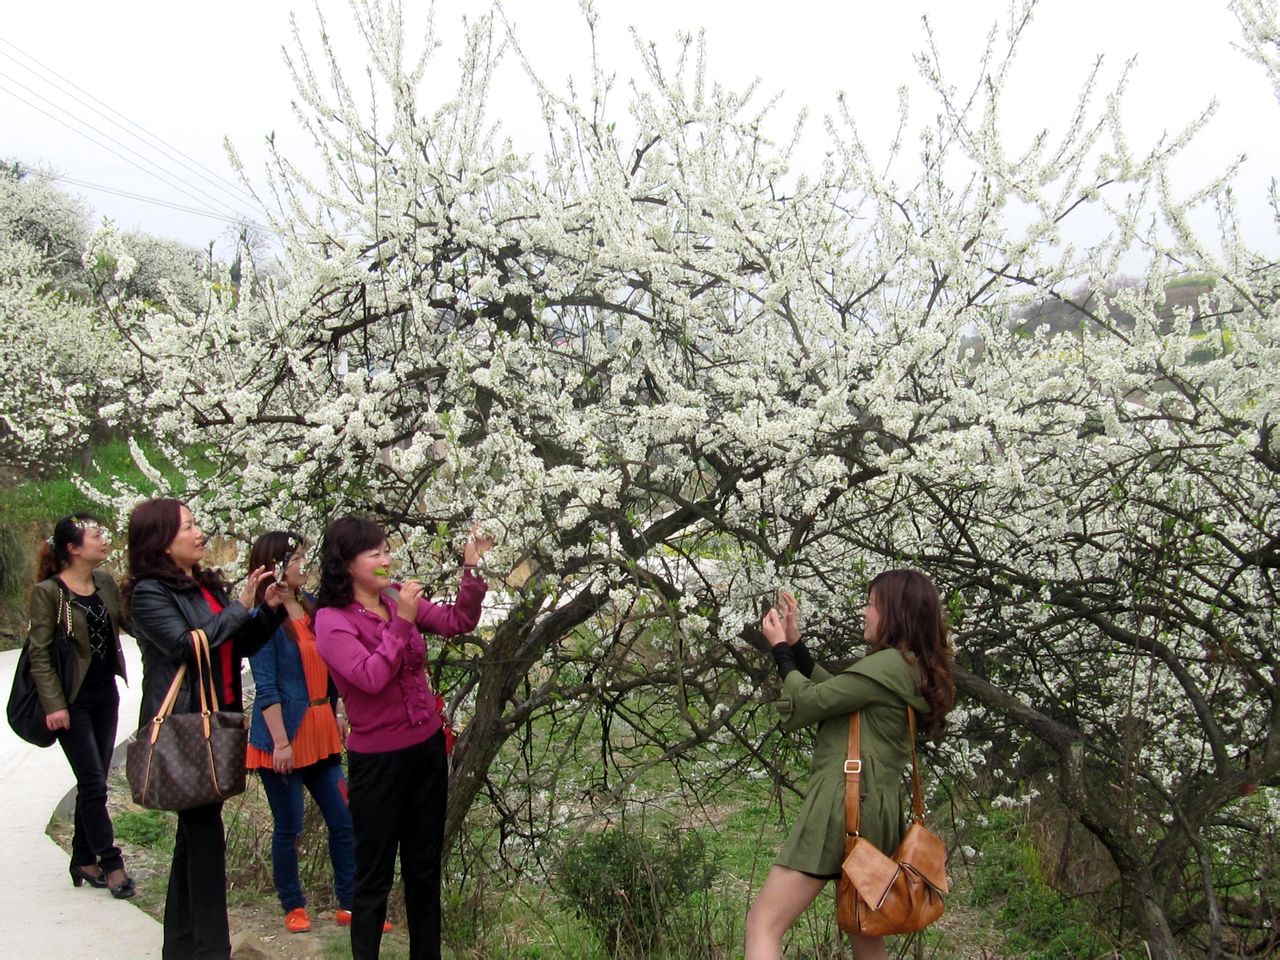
(911, 620)
(55, 553)
(344, 540)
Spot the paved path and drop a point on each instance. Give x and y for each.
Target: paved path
(42, 916)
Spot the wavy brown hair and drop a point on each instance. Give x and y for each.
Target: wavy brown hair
(344, 540)
(911, 620)
(152, 528)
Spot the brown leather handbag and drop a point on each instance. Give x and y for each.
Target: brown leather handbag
(879, 895)
(183, 760)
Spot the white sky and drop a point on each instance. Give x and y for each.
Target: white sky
(193, 73)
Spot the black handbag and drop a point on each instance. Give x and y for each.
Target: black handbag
(26, 712)
(183, 760)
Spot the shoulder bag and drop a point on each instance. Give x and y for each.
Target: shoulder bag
(26, 712)
(183, 760)
(879, 895)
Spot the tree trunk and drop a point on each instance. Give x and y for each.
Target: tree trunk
(515, 648)
(1150, 918)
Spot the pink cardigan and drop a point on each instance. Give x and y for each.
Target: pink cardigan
(379, 664)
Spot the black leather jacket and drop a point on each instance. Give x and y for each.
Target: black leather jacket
(163, 617)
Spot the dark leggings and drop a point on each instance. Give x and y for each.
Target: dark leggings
(88, 746)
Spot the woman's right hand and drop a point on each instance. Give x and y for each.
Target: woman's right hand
(771, 627)
(407, 602)
(249, 593)
(58, 720)
(790, 619)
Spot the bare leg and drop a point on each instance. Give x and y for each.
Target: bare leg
(785, 895)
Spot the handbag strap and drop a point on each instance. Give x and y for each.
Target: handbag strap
(200, 643)
(63, 619)
(917, 797)
(853, 778)
(853, 775)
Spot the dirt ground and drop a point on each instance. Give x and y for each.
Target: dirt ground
(257, 923)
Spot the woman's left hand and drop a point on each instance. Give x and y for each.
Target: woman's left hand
(275, 595)
(477, 546)
(771, 627)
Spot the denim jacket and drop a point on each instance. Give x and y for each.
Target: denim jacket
(278, 677)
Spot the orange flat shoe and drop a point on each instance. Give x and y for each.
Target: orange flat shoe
(344, 920)
(297, 921)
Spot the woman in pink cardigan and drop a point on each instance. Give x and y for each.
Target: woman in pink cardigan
(369, 632)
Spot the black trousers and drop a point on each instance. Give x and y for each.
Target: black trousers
(195, 911)
(398, 802)
(88, 746)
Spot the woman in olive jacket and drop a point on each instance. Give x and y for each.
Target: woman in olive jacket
(169, 594)
(910, 665)
(72, 591)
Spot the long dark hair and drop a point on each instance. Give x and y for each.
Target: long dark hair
(152, 528)
(55, 553)
(911, 620)
(275, 546)
(344, 540)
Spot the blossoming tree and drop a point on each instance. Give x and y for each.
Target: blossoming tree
(670, 372)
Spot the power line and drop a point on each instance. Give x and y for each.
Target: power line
(144, 199)
(160, 144)
(158, 171)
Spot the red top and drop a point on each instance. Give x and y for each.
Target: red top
(226, 651)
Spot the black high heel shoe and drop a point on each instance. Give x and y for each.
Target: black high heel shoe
(123, 890)
(78, 877)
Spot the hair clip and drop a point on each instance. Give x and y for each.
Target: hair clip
(49, 541)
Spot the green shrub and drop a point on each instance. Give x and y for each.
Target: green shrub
(631, 889)
(16, 571)
(145, 828)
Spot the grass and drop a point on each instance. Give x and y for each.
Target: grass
(29, 507)
(1002, 905)
(42, 500)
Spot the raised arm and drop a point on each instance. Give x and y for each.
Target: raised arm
(461, 616)
(805, 702)
(158, 616)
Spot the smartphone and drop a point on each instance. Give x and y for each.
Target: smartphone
(279, 570)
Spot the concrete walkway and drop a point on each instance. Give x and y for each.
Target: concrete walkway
(42, 916)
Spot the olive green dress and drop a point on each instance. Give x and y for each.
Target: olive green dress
(880, 685)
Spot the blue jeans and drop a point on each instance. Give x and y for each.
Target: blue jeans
(285, 797)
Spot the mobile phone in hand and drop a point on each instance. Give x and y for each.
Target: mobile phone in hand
(765, 603)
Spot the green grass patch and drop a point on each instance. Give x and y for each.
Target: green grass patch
(153, 829)
(41, 501)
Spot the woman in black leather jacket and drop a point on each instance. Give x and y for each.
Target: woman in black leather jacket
(169, 594)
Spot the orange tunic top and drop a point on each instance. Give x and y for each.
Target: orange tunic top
(317, 737)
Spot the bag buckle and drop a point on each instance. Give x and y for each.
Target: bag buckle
(852, 766)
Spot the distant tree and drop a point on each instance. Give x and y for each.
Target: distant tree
(50, 220)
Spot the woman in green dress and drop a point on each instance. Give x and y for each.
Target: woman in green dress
(910, 664)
